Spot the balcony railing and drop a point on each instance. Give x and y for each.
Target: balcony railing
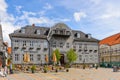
(61, 32)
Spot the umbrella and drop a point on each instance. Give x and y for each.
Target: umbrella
(54, 58)
(46, 58)
(27, 57)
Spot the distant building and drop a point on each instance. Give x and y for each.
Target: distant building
(3, 49)
(40, 41)
(110, 50)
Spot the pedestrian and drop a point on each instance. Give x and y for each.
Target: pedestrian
(1, 73)
(11, 72)
(90, 66)
(5, 71)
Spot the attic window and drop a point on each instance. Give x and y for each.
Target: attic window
(77, 35)
(38, 31)
(88, 36)
(22, 30)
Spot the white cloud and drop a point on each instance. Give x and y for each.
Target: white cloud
(3, 6)
(40, 20)
(7, 28)
(79, 15)
(31, 18)
(48, 6)
(7, 21)
(112, 11)
(96, 2)
(18, 8)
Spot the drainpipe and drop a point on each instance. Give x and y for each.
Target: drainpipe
(49, 51)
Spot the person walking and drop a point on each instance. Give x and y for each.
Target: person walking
(11, 72)
(5, 71)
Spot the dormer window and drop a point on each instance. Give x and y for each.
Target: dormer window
(22, 30)
(78, 35)
(88, 36)
(38, 31)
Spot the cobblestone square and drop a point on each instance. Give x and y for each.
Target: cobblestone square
(73, 74)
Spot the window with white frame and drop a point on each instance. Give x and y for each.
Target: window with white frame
(67, 45)
(38, 57)
(80, 57)
(31, 57)
(38, 31)
(78, 35)
(22, 30)
(16, 57)
(45, 44)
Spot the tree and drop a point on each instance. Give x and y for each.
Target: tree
(71, 56)
(57, 53)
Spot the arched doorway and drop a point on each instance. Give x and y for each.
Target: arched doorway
(62, 59)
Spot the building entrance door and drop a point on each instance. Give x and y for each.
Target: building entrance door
(62, 59)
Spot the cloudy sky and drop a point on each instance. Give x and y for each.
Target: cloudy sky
(101, 18)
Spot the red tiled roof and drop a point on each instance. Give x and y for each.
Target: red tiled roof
(9, 50)
(112, 40)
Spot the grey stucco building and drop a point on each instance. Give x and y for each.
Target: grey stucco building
(40, 41)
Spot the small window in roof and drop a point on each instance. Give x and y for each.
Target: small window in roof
(78, 35)
(38, 31)
(88, 36)
(22, 30)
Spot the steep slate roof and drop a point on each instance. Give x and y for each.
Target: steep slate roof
(112, 40)
(30, 32)
(83, 37)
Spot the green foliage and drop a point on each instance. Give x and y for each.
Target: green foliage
(45, 69)
(71, 56)
(57, 53)
(33, 67)
(13, 66)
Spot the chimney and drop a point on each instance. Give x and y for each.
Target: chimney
(33, 25)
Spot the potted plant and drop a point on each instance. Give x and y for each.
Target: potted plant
(33, 68)
(84, 66)
(67, 70)
(45, 69)
(56, 70)
(67, 66)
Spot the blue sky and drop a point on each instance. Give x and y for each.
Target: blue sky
(101, 18)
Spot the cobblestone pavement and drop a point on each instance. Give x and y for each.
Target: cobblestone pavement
(73, 74)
